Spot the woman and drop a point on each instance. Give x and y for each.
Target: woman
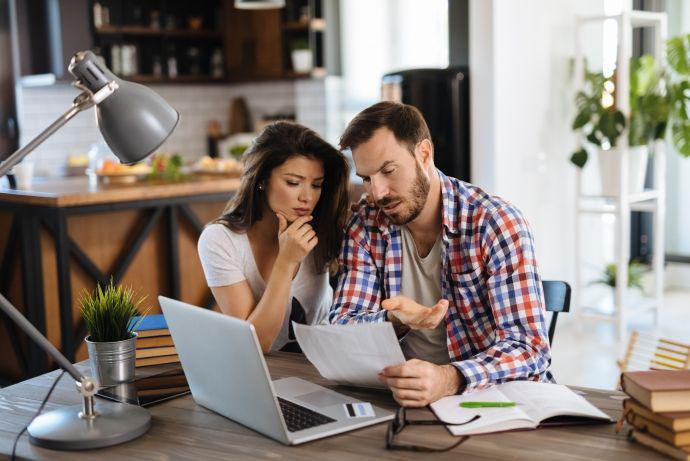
(265, 259)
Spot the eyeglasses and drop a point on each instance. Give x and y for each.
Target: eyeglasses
(398, 423)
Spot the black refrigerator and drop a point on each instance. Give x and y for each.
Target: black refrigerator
(443, 97)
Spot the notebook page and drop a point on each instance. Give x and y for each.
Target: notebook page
(545, 400)
(448, 410)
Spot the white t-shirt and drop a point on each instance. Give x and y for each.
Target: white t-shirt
(227, 258)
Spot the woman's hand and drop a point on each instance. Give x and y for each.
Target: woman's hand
(295, 241)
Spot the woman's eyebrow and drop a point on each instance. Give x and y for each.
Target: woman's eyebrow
(301, 177)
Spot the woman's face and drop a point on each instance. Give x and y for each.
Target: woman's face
(294, 187)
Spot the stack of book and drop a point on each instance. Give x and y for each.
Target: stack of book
(659, 410)
(154, 343)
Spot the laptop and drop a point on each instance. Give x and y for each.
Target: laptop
(227, 374)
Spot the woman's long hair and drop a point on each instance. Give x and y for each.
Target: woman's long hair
(277, 143)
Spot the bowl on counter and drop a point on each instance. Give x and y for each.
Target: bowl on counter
(111, 172)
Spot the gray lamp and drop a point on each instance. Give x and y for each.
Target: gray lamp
(134, 121)
(132, 118)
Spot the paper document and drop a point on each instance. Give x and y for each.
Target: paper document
(350, 354)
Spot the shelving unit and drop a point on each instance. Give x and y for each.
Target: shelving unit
(620, 206)
(303, 21)
(161, 31)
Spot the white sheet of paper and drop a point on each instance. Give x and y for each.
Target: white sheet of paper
(350, 354)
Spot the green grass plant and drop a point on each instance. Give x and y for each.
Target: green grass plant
(108, 312)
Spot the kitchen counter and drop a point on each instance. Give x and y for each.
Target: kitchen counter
(68, 192)
(61, 236)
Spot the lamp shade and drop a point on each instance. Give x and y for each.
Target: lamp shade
(134, 120)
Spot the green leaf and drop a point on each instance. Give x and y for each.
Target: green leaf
(678, 54)
(108, 312)
(592, 137)
(680, 135)
(644, 76)
(579, 158)
(581, 119)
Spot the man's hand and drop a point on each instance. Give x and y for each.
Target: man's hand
(417, 383)
(415, 315)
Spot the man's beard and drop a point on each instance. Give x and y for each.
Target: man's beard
(416, 198)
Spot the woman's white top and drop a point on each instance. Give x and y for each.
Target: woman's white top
(227, 258)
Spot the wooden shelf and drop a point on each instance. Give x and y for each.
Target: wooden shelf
(296, 26)
(293, 74)
(147, 31)
(316, 24)
(178, 79)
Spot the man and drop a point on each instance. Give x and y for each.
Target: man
(450, 266)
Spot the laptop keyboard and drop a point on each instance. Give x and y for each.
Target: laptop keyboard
(299, 418)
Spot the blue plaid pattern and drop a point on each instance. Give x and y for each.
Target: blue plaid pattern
(495, 322)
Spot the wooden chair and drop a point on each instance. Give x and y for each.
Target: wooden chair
(557, 300)
(647, 351)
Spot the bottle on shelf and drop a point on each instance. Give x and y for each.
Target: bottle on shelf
(193, 60)
(155, 22)
(116, 59)
(157, 69)
(172, 63)
(217, 63)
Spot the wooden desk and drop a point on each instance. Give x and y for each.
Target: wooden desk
(183, 430)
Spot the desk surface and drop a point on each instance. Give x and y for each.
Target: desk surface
(183, 430)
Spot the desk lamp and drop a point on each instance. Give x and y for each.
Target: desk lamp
(134, 122)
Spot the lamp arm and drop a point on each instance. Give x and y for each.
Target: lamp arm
(82, 102)
(39, 339)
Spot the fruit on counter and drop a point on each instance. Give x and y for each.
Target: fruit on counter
(77, 160)
(113, 166)
(217, 165)
(167, 167)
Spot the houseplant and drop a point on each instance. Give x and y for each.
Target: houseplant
(301, 54)
(636, 271)
(108, 313)
(659, 105)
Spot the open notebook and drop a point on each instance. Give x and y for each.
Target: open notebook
(537, 404)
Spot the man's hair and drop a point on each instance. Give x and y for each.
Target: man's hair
(406, 122)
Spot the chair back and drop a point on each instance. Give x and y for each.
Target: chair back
(648, 351)
(557, 300)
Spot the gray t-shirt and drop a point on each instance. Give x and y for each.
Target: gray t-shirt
(421, 281)
(227, 258)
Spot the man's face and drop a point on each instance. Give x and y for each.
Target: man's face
(392, 177)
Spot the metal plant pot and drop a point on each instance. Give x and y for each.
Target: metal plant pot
(112, 362)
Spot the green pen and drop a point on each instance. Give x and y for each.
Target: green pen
(487, 404)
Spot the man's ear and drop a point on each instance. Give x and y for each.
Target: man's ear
(425, 150)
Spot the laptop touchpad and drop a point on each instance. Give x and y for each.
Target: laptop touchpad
(322, 398)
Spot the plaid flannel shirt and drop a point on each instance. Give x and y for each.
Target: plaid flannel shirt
(495, 321)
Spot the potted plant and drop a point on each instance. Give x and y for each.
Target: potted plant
(301, 54)
(636, 272)
(659, 99)
(108, 313)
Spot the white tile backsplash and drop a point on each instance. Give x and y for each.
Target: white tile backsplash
(197, 104)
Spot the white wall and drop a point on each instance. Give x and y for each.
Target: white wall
(522, 108)
(678, 173)
(197, 104)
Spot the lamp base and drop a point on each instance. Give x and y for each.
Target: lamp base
(63, 429)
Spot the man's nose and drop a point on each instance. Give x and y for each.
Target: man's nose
(378, 188)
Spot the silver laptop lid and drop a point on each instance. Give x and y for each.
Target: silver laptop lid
(224, 366)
